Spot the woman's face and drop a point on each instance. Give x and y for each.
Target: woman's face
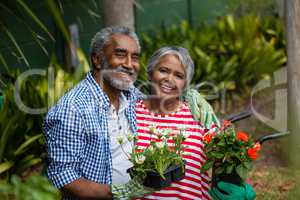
(168, 78)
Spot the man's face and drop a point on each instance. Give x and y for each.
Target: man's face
(120, 64)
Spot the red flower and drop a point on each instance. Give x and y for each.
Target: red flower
(172, 149)
(207, 137)
(242, 136)
(252, 153)
(257, 146)
(139, 150)
(226, 123)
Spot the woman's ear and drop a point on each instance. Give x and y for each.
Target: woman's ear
(96, 61)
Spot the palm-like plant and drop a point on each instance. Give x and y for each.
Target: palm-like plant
(21, 139)
(18, 10)
(25, 17)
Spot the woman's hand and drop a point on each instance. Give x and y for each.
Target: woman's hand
(133, 189)
(228, 191)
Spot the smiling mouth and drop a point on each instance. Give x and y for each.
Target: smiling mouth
(127, 73)
(126, 76)
(166, 88)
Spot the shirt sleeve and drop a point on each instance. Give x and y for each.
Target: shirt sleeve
(201, 109)
(210, 119)
(64, 136)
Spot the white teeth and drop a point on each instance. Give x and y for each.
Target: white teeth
(166, 88)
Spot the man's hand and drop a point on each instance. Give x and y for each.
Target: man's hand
(132, 189)
(232, 192)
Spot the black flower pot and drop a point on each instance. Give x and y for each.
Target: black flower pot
(232, 178)
(178, 172)
(154, 180)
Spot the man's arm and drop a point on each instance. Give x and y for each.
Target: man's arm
(64, 134)
(85, 189)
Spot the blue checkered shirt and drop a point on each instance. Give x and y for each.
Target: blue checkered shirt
(77, 138)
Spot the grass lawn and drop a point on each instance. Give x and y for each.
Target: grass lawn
(274, 183)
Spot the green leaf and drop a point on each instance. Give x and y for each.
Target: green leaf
(34, 17)
(27, 143)
(5, 166)
(9, 129)
(219, 170)
(54, 10)
(36, 38)
(242, 171)
(207, 165)
(248, 165)
(5, 188)
(28, 163)
(13, 40)
(2, 60)
(221, 143)
(229, 169)
(218, 155)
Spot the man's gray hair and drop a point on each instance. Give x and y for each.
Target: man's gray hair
(182, 54)
(101, 38)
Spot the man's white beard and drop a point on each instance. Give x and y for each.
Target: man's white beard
(106, 74)
(118, 84)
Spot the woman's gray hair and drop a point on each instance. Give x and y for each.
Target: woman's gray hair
(182, 54)
(101, 38)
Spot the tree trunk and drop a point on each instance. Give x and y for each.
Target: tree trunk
(118, 13)
(292, 18)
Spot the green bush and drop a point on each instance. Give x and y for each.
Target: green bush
(34, 188)
(232, 53)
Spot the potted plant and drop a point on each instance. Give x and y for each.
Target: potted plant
(229, 153)
(160, 163)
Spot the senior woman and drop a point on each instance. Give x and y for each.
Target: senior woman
(170, 71)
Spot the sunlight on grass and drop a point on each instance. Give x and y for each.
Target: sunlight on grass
(271, 182)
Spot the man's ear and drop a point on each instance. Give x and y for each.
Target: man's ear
(149, 75)
(96, 61)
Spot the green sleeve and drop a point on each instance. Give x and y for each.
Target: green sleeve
(201, 109)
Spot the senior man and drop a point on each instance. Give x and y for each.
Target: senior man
(81, 130)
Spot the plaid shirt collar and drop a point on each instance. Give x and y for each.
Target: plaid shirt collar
(131, 95)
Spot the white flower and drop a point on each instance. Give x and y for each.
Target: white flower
(152, 129)
(162, 133)
(186, 134)
(182, 129)
(166, 132)
(120, 140)
(159, 145)
(140, 159)
(151, 148)
(129, 137)
(159, 131)
(182, 134)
